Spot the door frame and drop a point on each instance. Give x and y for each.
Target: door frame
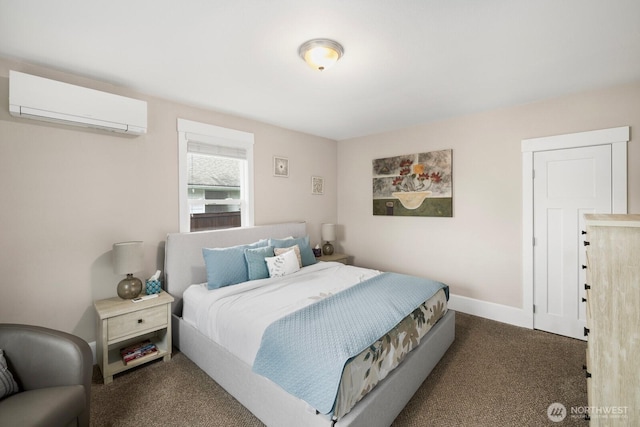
(617, 138)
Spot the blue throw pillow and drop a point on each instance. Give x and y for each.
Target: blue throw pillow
(256, 265)
(306, 253)
(227, 266)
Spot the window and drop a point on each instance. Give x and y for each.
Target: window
(215, 176)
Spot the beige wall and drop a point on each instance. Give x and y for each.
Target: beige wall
(67, 194)
(478, 252)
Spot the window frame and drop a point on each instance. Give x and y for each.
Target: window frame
(216, 136)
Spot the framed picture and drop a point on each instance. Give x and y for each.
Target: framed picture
(418, 184)
(317, 185)
(280, 166)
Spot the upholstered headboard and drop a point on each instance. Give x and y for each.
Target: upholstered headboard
(184, 263)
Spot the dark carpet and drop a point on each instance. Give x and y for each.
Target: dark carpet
(494, 374)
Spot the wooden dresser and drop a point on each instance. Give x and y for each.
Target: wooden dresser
(613, 319)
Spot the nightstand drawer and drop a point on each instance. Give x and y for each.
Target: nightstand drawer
(136, 322)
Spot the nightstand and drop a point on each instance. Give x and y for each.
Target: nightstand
(343, 258)
(121, 323)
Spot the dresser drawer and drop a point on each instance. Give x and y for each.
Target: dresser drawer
(134, 323)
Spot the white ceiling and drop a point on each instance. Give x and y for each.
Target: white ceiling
(406, 61)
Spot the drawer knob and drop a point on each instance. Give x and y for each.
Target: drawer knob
(586, 331)
(586, 243)
(584, 266)
(139, 320)
(588, 374)
(586, 287)
(584, 299)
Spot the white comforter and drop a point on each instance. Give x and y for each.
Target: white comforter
(236, 316)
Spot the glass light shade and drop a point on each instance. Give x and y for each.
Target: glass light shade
(321, 54)
(321, 58)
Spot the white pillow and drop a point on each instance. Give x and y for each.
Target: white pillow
(295, 248)
(283, 264)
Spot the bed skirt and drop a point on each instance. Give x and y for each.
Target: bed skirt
(277, 408)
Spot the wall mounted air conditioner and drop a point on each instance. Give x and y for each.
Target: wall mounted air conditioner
(38, 98)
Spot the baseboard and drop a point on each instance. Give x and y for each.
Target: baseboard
(489, 310)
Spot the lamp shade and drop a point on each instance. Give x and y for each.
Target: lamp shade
(328, 232)
(127, 257)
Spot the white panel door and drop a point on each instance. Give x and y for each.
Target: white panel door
(567, 184)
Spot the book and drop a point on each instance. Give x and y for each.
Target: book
(142, 351)
(142, 357)
(135, 347)
(136, 351)
(137, 357)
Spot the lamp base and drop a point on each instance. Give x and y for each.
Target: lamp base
(327, 248)
(130, 287)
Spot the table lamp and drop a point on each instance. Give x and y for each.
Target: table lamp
(328, 235)
(128, 259)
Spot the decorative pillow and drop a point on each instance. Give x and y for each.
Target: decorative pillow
(227, 266)
(8, 385)
(282, 265)
(295, 248)
(306, 254)
(256, 266)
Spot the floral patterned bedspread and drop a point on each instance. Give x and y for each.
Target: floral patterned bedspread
(371, 366)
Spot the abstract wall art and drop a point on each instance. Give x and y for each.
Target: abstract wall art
(417, 184)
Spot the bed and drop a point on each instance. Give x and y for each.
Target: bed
(185, 272)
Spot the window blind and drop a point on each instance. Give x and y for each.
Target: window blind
(214, 147)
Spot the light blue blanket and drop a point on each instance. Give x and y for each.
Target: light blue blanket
(305, 352)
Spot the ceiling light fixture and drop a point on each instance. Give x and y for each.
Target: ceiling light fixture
(321, 54)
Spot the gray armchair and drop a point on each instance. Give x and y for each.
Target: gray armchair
(53, 370)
